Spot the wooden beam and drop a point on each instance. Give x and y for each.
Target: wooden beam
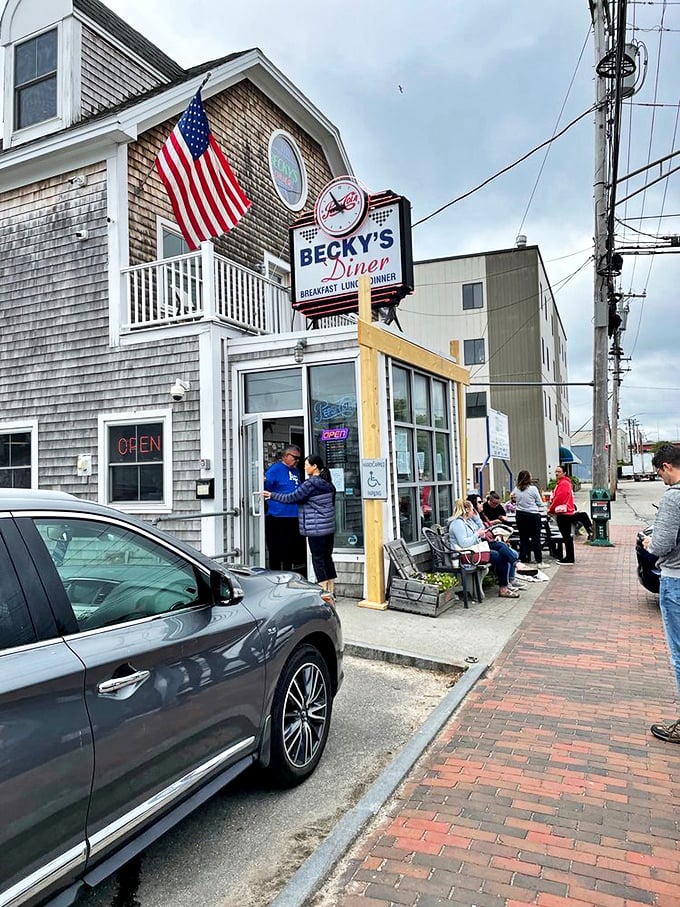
(374, 533)
(380, 340)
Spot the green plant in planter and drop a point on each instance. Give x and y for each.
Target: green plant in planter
(443, 580)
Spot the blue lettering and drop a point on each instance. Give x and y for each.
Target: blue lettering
(319, 254)
(333, 249)
(365, 241)
(305, 257)
(347, 247)
(386, 239)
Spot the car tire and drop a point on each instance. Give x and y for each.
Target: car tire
(301, 717)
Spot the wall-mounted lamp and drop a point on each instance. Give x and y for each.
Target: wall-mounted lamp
(299, 350)
(178, 390)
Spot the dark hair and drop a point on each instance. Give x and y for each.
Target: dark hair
(473, 499)
(494, 495)
(667, 453)
(315, 460)
(523, 479)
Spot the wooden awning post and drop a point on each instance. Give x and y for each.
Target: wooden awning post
(374, 535)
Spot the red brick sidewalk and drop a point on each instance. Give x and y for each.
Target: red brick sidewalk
(546, 787)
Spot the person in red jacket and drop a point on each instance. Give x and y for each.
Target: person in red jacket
(563, 508)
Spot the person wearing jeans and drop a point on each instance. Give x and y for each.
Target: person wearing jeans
(665, 544)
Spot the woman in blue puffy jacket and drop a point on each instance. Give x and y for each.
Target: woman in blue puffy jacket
(316, 517)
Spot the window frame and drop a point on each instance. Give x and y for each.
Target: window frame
(30, 426)
(135, 417)
(43, 77)
(472, 284)
(412, 486)
(475, 358)
(468, 407)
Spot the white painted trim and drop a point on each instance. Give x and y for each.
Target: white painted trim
(137, 417)
(211, 412)
(117, 237)
(30, 425)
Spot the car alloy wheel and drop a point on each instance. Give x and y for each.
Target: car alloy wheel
(300, 716)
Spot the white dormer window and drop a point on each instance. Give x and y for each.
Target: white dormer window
(35, 79)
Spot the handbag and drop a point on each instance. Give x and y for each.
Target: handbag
(476, 555)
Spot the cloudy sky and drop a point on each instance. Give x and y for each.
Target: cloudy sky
(432, 98)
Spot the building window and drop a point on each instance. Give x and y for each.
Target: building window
(35, 80)
(473, 296)
(15, 459)
(135, 453)
(473, 351)
(288, 170)
(422, 446)
(475, 405)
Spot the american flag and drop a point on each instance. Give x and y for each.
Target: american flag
(205, 195)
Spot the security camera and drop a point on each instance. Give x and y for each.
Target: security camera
(82, 233)
(178, 390)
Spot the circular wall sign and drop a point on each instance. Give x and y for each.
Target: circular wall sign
(341, 206)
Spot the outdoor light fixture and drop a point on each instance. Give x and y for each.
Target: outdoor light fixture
(299, 350)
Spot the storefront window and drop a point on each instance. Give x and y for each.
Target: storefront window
(402, 395)
(335, 437)
(273, 391)
(422, 445)
(135, 454)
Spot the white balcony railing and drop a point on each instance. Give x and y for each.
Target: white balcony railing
(175, 290)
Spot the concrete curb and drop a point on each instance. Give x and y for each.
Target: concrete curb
(316, 868)
(397, 657)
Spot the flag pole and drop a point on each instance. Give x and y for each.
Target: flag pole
(138, 190)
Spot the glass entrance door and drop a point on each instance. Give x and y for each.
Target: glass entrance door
(253, 502)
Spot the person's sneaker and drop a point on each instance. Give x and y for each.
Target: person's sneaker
(566, 563)
(516, 584)
(668, 732)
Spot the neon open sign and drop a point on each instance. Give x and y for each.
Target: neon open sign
(335, 434)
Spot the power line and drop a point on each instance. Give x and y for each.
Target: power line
(557, 122)
(505, 169)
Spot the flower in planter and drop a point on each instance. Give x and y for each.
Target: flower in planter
(443, 580)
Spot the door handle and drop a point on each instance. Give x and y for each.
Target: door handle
(256, 503)
(122, 687)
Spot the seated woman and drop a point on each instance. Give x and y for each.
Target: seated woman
(496, 544)
(466, 529)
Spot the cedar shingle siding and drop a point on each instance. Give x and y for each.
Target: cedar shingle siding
(109, 76)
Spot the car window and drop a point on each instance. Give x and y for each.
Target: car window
(16, 627)
(112, 575)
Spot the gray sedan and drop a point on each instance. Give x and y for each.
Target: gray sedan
(137, 677)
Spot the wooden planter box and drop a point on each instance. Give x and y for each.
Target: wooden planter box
(420, 597)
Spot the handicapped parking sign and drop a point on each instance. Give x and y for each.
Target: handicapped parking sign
(374, 479)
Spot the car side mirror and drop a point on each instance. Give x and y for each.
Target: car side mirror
(225, 590)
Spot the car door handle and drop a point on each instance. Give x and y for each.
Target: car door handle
(122, 687)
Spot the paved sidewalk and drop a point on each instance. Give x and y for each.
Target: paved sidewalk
(545, 787)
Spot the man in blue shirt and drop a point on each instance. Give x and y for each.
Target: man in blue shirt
(286, 548)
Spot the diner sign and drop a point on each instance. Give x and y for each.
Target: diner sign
(326, 269)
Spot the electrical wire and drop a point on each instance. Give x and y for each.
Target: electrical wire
(557, 123)
(505, 169)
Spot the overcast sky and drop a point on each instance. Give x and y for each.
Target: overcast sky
(431, 98)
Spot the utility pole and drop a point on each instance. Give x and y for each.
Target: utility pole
(600, 187)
